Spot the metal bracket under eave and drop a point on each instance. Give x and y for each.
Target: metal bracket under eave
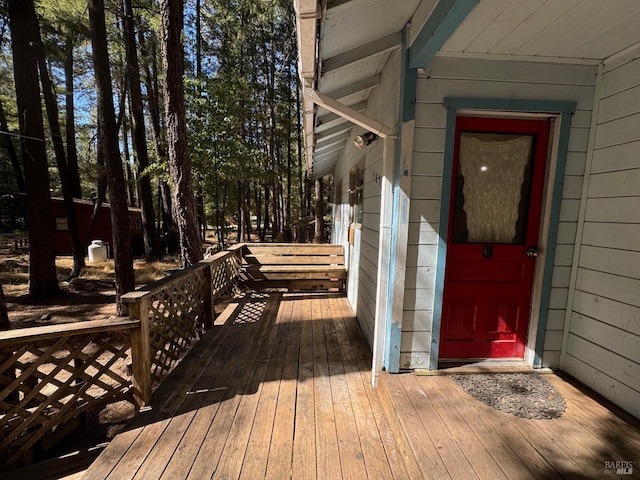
(348, 113)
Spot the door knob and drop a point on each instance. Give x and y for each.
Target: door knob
(533, 252)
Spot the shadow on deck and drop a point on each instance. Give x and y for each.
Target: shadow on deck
(280, 389)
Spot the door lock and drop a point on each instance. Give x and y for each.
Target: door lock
(533, 252)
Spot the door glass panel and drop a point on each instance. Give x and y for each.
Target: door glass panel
(492, 188)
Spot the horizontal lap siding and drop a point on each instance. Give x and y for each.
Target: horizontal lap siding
(471, 78)
(604, 334)
(382, 106)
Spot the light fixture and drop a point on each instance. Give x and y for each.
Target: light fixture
(365, 139)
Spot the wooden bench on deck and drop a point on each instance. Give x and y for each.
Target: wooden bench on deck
(294, 266)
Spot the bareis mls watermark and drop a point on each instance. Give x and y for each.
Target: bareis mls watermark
(619, 467)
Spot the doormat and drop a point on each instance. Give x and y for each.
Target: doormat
(525, 395)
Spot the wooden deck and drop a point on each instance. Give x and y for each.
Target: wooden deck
(280, 389)
(445, 433)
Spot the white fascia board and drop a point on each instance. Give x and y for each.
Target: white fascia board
(307, 15)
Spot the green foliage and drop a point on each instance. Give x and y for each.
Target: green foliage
(241, 111)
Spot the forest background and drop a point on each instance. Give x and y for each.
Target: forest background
(116, 81)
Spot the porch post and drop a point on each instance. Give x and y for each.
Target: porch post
(384, 258)
(400, 210)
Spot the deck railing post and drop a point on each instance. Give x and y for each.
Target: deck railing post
(141, 353)
(209, 304)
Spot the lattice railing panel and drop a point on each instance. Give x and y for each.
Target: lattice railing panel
(176, 315)
(224, 275)
(46, 382)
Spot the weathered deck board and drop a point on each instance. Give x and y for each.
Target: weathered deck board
(282, 390)
(327, 454)
(381, 458)
(283, 393)
(351, 458)
(478, 456)
(304, 438)
(501, 452)
(258, 443)
(493, 444)
(246, 376)
(281, 445)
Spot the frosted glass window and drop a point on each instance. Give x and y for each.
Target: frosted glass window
(492, 188)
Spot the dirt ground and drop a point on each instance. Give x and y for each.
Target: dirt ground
(88, 297)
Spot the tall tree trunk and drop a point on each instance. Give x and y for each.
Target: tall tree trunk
(67, 183)
(128, 171)
(172, 14)
(139, 137)
(319, 233)
(257, 197)
(172, 235)
(43, 280)
(287, 214)
(198, 39)
(267, 218)
(101, 190)
(307, 193)
(302, 230)
(170, 228)
(222, 221)
(109, 136)
(5, 138)
(201, 214)
(70, 125)
(239, 221)
(246, 210)
(4, 313)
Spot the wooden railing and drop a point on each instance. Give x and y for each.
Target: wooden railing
(49, 375)
(173, 312)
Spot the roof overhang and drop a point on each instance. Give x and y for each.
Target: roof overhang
(344, 46)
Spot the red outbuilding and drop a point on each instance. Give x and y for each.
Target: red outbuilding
(102, 229)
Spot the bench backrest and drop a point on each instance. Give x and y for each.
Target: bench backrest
(293, 254)
(294, 266)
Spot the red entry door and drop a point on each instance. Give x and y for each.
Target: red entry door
(497, 184)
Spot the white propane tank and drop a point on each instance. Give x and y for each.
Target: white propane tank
(97, 251)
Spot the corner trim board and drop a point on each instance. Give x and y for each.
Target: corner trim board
(401, 206)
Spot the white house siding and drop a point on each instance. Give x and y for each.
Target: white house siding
(382, 105)
(473, 78)
(604, 331)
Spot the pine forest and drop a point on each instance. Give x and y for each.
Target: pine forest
(188, 111)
